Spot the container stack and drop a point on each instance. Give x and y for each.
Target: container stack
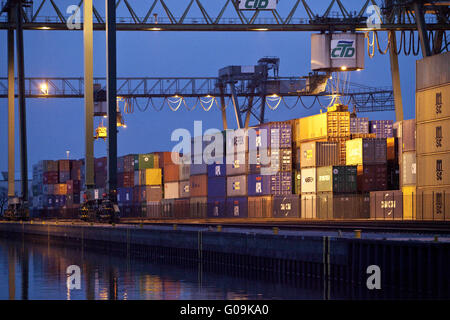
(314, 155)
(217, 183)
(382, 128)
(237, 168)
(125, 183)
(198, 180)
(433, 130)
(147, 181)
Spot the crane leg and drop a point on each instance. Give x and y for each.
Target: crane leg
(11, 110)
(237, 110)
(395, 74)
(88, 95)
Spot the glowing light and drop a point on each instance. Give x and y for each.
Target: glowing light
(343, 68)
(359, 69)
(124, 126)
(44, 28)
(330, 77)
(105, 116)
(44, 88)
(274, 95)
(260, 29)
(155, 29)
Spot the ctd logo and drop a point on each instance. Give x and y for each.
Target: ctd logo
(343, 49)
(257, 4)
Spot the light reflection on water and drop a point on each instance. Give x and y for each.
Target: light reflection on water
(38, 271)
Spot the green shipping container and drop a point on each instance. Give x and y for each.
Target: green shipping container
(297, 181)
(146, 161)
(337, 179)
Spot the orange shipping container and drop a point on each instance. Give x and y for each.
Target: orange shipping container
(260, 207)
(171, 173)
(167, 158)
(198, 185)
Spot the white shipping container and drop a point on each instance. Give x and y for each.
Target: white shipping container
(309, 183)
(433, 137)
(171, 190)
(408, 169)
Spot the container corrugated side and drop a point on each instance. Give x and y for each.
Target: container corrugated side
(237, 186)
(433, 170)
(313, 127)
(408, 169)
(409, 202)
(433, 137)
(171, 190)
(198, 207)
(386, 205)
(319, 153)
(409, 135)
(217, 187)
(433, 70)
(433, 104)
(309, 182)
(216, 208)
(287, 206)
(260, 207)
(198, 186)
(184, 189)
(433, 203)
(237, 207)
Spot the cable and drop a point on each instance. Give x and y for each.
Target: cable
(295, 104)
(273, 99)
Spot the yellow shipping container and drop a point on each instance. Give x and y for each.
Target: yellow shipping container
(312, 128)
(409, 202)
(152, 177)
(353, 152)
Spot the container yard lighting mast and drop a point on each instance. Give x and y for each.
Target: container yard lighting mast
(429, 18)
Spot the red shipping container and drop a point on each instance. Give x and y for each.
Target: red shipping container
(171, 173)
(165, 158)
(50, 177)
(100, 179)
(372, 178)
(128, 179)
(73, 187)
(64, 165)
(64, 176)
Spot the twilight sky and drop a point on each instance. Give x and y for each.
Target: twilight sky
(57, 125)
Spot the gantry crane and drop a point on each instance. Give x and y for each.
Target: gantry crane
(396, 15)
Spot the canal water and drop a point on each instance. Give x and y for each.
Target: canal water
(31, 270)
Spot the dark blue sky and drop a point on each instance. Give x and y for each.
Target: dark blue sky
(57, 125)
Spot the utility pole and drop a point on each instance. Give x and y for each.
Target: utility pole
(111, 97)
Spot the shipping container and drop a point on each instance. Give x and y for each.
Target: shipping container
(171, 190)
(372, 178)
(167, 208)
(198, 185)
(198, 207)
(433, 103)
(237, 164)
(351, 206)
(309, 183)
(338, 124)
(185, 171)
(50, 177)
(125, 195)
(198, 169)
(433, 170)
(408, 168)
(433, 203)
(150, 177)
(341, 141)
(366, 151)
(182, 208)
(236, 141)
(385, 205)
(166, 158)
(237, 207)
(280, 160)
(64, 176)
(433, 70)
(281, 183)
(312, 127)
(258, 185)
(64, 165)
(337, 179)
(147, 161)
(151, 193)
(171, 173)
(408, 135)
(308, 205)
(217, 187)
(237, 186)
(297, 181)
(217, 170)
(392, 149)
(433, 137)
(184, 189)
(216, 207)
(279, 134)
(382, 128)
(409, 202)
(287, 206)
(100, 164)
(260, 207)
(359, 125)
(152, 210)
(393, 175)
(315, 154)
(258, 159)
(73, 187)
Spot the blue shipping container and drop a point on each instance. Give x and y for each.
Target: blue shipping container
(125, 195)
(216, 208)
(237, 207)
(217, 187)
(258, 185)
(217, 170)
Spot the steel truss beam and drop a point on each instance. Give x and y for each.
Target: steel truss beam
(365, 98)
(199, 16)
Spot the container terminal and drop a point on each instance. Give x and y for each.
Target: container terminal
(323, 196)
